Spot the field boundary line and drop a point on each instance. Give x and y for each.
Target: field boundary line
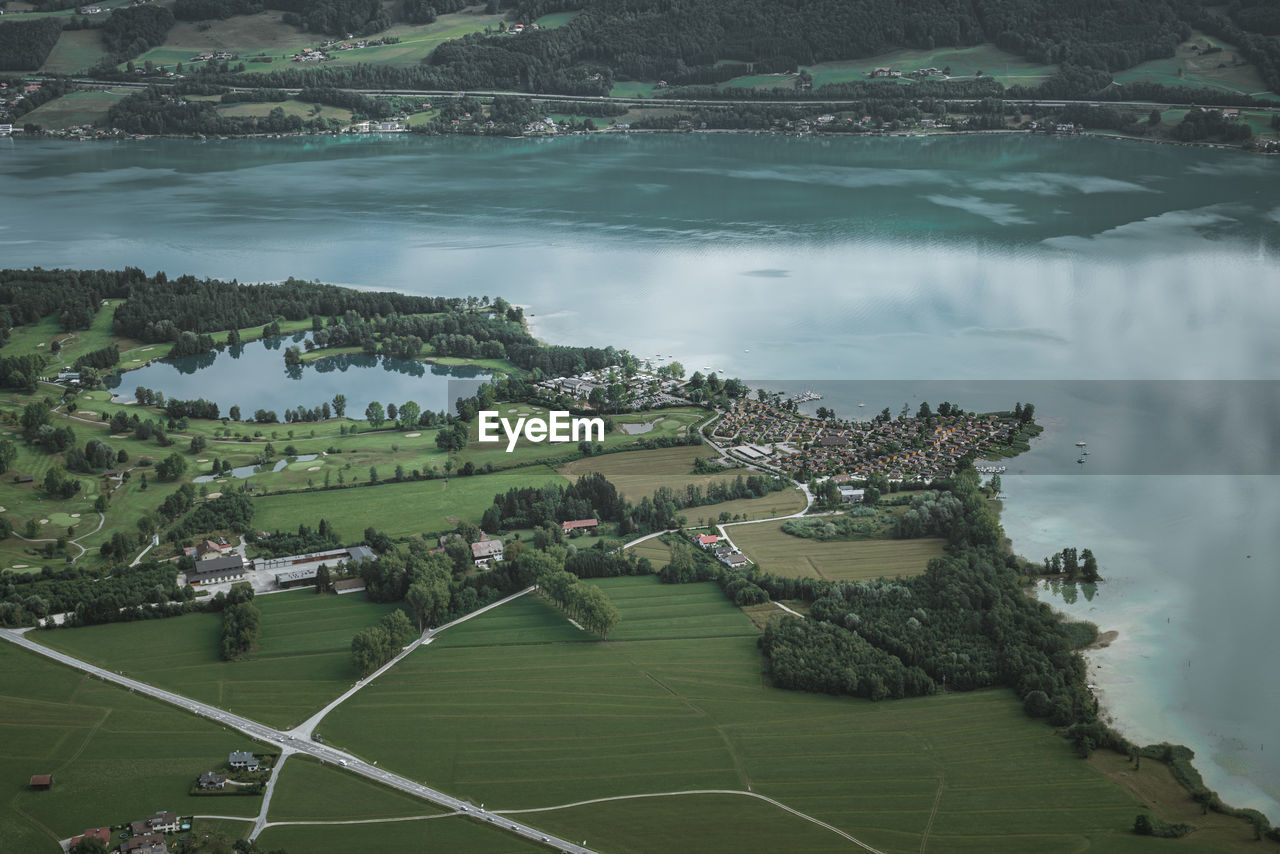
(864, 846)
(303, 823)
(937, 799)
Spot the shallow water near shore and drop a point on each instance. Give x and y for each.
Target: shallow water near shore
(804, 261)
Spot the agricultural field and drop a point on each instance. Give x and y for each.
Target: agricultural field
(303, 661)
(397, 509)
(638, 474)
(555, 19)
(75, 109)
(671, 706)
(993, 62)
(858, 560)
(1222, 69)
(445, 833)
(265, 34)
(291, 108)
(783, 503)
(75, 51)
(309, 791)
(92, 736)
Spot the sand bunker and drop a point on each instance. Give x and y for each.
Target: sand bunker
(75, 515)
(314, 468)
(412, 435)
(44, 521)
(202, 461)
(85, 412)
(214, 495)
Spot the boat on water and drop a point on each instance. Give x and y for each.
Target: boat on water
(1081, 460)
(1084, 453)
(1081, 444)
(862, 404)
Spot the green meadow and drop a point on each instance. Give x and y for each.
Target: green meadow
(438, 834)
(114, 756)
(518, 713)
(308, 791)
(835, 560)
(303, 661)
(397, 509)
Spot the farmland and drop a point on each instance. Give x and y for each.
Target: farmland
(678, 705)
(640, 474)
(308, 791)
(304, 659)
(397, 509)
(437, 834)
(92, 737)
(788, 556)
(1196, 63)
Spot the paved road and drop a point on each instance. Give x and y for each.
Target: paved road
(286, 741)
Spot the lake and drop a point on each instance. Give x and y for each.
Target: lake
(254, 376)
(1081, 273)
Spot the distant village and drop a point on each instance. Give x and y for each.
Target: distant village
(900, 449)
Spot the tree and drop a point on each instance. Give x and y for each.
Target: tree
(1154, 118)
(409, 414)
(374, 415)
(234, 413)
(198, 443)
(171, 467)
(88, 845)
(8, 453)
(369, 649)
(322, 579)
(340, 405)
(1090, 570)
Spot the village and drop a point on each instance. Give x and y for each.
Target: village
(647, 388)
(902, 449)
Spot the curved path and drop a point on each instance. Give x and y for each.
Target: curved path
(101, 521)
(864, 846)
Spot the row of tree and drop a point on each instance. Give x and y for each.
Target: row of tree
(375, 646)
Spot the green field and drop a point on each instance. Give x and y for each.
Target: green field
(785, 555)
(545, 723)
(115, 756)
(555, 19)
(308, 791)
(397, 509)
(74, 109)
(993, 62)
(76, 51)
(1225, 69)
(290, 107)
(431, 835)
(638, 474)
(783, 503)
(304, 659)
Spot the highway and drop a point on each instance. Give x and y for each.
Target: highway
(288, 742)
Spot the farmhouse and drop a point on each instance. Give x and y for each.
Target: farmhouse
(164, 822)
(151, 843)
(243, 759)
(40, 782)
(212, 780)
(735, 560)
(706, 540)
(102, 834)
(485, 551)
(579, 524)
(217, 569)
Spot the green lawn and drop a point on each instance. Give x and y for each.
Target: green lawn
(309, 791)
(115, 756)
(532, 720)
(1225, 69)
(397, 509)
(304, 659)
(785, 555)
(291, 108)
(431, 835)
(555, 19)
(639, 474)
(76, 51)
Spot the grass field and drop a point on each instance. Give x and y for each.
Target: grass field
(964, 62)
(785, 555)
(309, 791)
(76, 50)
(397, 509)
(304, 659)
(291, 108)
(114, 756)
(541, 722)
(1225, 69)
(555, 19)
(783, 503)
(638, 474)
(74, 109)
(438, 834)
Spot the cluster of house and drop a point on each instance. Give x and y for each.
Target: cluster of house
(144, 836)
(487, 550)
(11, 96)
(310, 54)
(724, 552)
(905, 449)
(517, 29)
(643, 389)
(400, 125)
(1054, 127)
(217, 54)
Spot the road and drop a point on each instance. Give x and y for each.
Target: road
(288, 742)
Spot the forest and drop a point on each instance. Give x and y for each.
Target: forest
(25, 45)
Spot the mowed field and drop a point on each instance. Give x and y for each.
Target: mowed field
(74, 109)
(308, 791)
(510, 712)
(1224, 69)
(304, 659)
(638, 474)
(397, 509)
(114, 756)
(443, 834)
(858, 560)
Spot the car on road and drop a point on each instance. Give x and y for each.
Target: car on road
(342, 762)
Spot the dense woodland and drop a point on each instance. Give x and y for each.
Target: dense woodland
(25, 45)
